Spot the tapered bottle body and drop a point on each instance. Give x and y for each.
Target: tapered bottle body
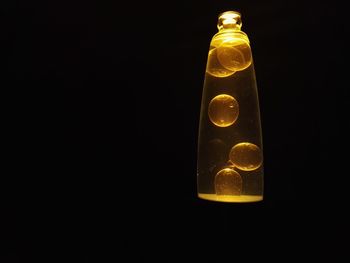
(230, 152)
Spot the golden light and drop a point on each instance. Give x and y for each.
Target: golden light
(246, 156)
(230, 118)
(228, 182)
(223, 110)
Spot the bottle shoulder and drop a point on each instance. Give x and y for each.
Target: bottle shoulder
(229, 36)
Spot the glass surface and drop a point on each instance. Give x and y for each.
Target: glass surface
(230, 153)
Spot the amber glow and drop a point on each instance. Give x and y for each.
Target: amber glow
(246, 156)
(230, 158)
(231, 198)
(229, 20)
(234, 55)
(223, 110)
(229, 55)
(214, 67)
(228, 182)
(230, 15)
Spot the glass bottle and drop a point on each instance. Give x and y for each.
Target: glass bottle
(230, 153)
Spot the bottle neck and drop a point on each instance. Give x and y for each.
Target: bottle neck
(234, 28)
(229, 20)
(229, 26)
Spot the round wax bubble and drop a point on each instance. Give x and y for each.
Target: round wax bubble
(246, 156)
(228, 182)
(223, 110)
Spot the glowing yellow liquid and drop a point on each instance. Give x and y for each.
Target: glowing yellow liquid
(230, 157)
(231, 198)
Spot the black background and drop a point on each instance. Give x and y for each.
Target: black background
(103, 123)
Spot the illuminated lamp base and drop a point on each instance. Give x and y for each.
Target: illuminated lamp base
(231, 198)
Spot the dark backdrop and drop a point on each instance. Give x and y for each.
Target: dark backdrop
(105, 120)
